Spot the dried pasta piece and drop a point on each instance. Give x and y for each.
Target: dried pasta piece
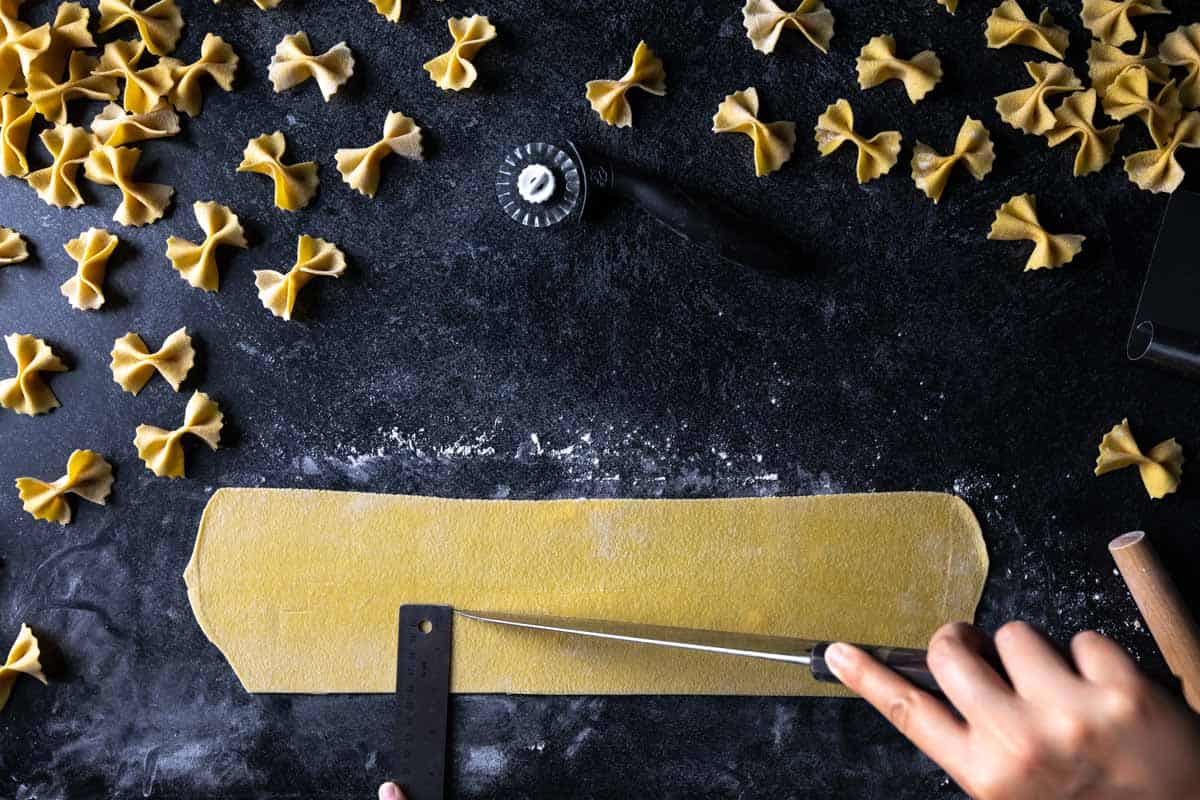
(263, 5)
(133, 365)
(1106, 62)
(973, 146)
(141, 203)
(1181, 48)
(1074, 120)
(1017, 220)
(68, 32)
(295, 184)
(773, 141)
(90, 251)
(1008, 25)
(16, 120)
(88, 476)
(217, 61)
(1026, 109)
(949, 5)
(50, 97)
(1161, 469)
(27, 392)
(315, 258)
(876, 156)
(878, 63)
(20, 47)
(115, 126)
(360, 166)
(294, 63)
(1158, 170)
(144, 87)
(56, 184)
(13, 249)
(390, 9)
(1109, 20)
(453, 70)
(608, 97)
(24, 658)
(765, 21)
(1129, 96)
(162, 450)
(197, 263)
(159, 25)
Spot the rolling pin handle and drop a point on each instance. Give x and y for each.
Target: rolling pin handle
(909, 663)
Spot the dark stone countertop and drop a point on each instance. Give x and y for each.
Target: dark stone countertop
(464, 356)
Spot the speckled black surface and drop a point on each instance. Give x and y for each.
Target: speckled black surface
(462, 355)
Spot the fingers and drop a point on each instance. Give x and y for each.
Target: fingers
(921, 717)
(390, 791)
(1101, 660)
(1035, 667)
(967, 679)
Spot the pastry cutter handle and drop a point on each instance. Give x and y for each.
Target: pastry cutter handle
(910, 663)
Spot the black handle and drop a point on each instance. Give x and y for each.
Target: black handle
(906, 661)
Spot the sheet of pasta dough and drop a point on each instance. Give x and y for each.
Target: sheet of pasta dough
(301, 589)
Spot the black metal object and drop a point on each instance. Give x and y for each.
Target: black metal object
(423, 689)
(908, 662)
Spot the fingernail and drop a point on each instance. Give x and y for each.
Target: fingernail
(838, 657)
(389, 791)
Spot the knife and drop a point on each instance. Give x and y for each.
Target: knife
(908, 662)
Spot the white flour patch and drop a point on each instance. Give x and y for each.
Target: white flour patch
(484, 766)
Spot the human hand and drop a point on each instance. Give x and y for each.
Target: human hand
(390, 791)
(1095, 728)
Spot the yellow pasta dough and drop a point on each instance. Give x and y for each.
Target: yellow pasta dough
(162, 451)
(390, 9)
(773, 141)
(878, 63)
(453, 70)
(949, 5)
(1109, 20)
(315, 258)
(88, 476)
(764, 21)
(876, 156)
(607, 98)
(144, 87)
(19, 49)
(285, 600)
(1007, 25)
(24, 658)
(1017, 220)
(56, 184)
(197, 263)
(359, 167)
(12, 247)
(133, 365)
(115, 126)
(1026, 109)
(973, 147)
(90, 251)
(1158, 170)
(159, 24)
(263, 5)
(1074, 119)
(295, 184)
(141, 203)
(1161, 469)
(217, 61)
(27, 392)
(1181, 48)
(294, 63)
(1129, 96)
(16, 120)
(1106, 62)
(68, 33)
(50, 97)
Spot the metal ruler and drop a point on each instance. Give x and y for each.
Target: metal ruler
(423, 689)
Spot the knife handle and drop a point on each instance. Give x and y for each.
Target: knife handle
(909, 663)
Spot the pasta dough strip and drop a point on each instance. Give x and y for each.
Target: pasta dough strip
(88, 476)
(27, 392)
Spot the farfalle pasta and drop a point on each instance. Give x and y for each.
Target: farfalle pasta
(50, 97)
(133, 365)
(1129, 96)
(1106, 62)
(453, 70)
(88, 476)
(19, 49)
(1026, 109)
(1074, 119)
(27, 392)
(1110, 20)
(294, 63)
(773, 141)
(24, 658)
(90, 251)
(115, 126)
(144, 87)
(1181, 48)
(162, 450)
(68, 33)
(295, 184)
(1161, 469)
(1008, 26)
(949, 5)
(1158, 170)
(217, 61)
(389, 9)
(315, 258)
(56, 184)
(12, 247)
(607, 98)
(359, 167)
(973, 147)
(159, 25)
(876, 156)
(141, 203)
(16, 121)
(1017, 220)
(764, 21)
(197, 263)
(877, 63)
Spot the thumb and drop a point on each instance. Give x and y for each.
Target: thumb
(390, 791)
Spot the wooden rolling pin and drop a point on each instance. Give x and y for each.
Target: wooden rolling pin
(1170, 621)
